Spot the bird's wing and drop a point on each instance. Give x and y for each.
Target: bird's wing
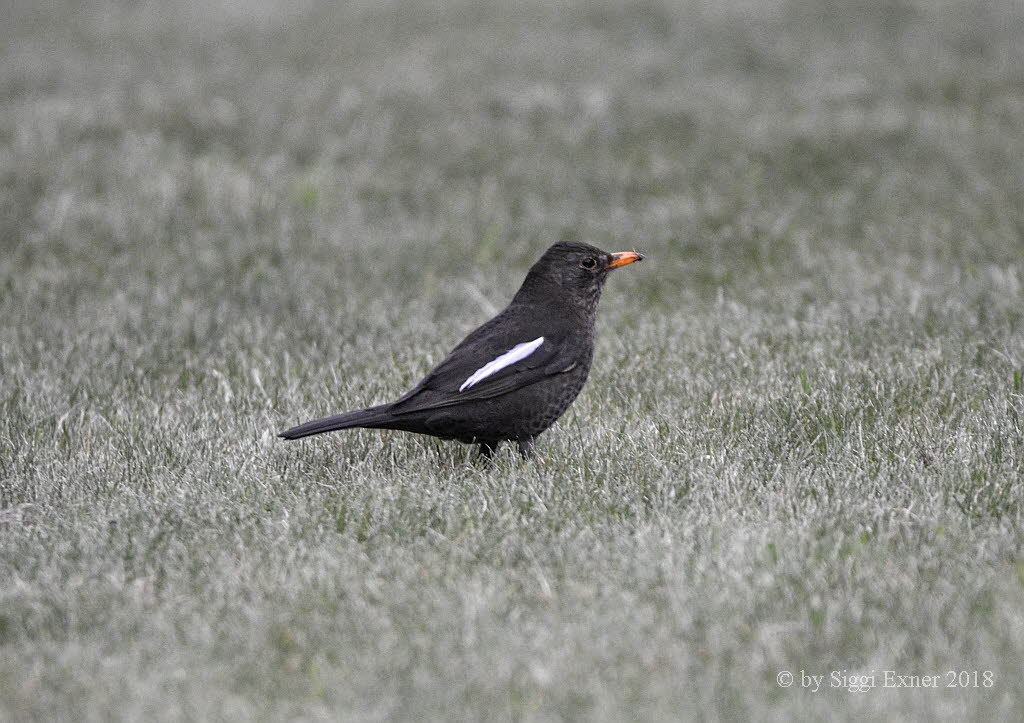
(486, 366)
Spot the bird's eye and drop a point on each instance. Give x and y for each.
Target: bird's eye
(589, 262)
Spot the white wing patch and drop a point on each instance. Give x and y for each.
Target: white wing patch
(516, 353)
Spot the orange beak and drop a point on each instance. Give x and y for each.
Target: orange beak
(624, 258)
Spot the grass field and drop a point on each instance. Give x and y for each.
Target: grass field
(800, 449)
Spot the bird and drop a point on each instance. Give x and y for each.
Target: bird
(516, 374)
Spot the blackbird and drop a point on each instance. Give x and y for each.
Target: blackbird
(512, 377)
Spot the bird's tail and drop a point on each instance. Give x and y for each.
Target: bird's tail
(370, 417)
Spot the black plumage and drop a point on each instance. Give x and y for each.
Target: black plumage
(512, 377)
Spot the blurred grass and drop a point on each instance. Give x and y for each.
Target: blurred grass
(800, 447)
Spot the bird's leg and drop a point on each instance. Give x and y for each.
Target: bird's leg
(487, 449)
(526, 447)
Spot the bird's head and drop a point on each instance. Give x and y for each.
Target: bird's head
(580, 267)
(577, 269)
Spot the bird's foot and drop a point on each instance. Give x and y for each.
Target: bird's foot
(487, 450)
